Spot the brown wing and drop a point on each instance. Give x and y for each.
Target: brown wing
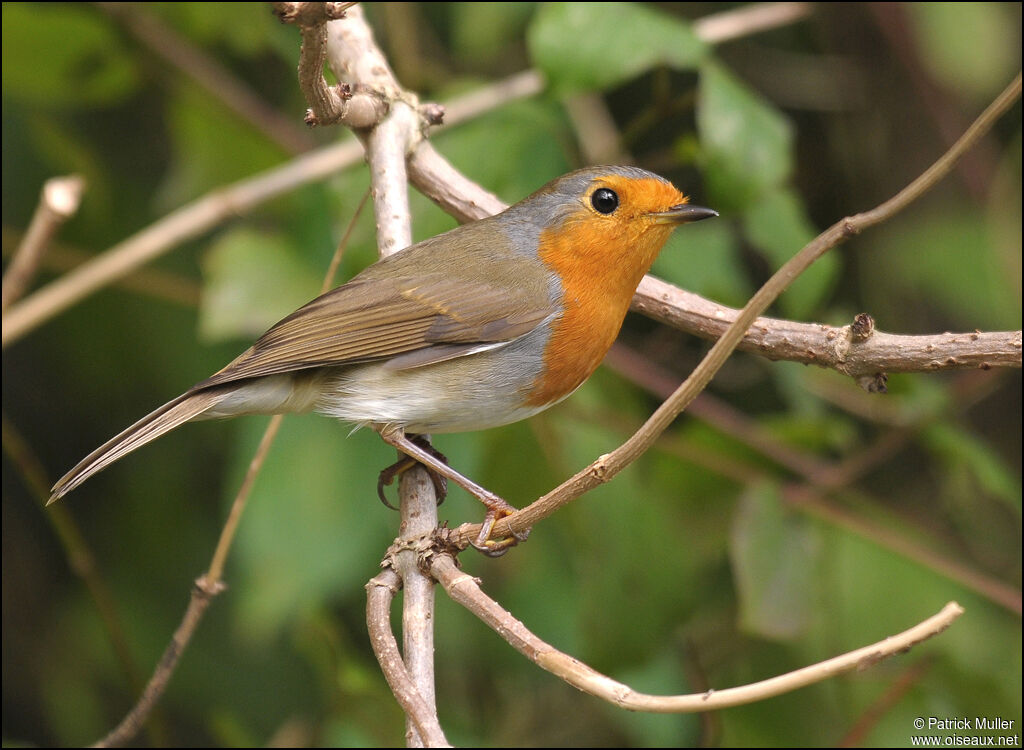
(438, 316)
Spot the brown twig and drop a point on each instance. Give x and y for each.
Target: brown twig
(202, 594)
(205, 589)
(884, 703)
(380, 591)
(810, 501)
(636, 368)
(168, 286)
(464, 589)
(607, 466)
(342, 104)
(58, 202)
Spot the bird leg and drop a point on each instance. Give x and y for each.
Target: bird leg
(497, 508)
(402, 465)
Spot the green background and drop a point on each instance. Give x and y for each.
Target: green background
(712, 562)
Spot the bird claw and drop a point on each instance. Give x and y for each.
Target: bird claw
(497, 547)
(388, 475)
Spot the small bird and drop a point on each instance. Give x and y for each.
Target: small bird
(484, 325)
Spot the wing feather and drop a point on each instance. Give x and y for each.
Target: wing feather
(437, 316)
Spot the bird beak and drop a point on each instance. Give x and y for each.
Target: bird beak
(683, 214)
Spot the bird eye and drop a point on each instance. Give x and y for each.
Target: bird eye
(604, 200)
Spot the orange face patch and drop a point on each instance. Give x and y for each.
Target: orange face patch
(600, 259)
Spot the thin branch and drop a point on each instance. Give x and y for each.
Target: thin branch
(205, 589)
(749, 19)
(598, 136)
(185, 223)
(607, 466)
(809, 500)
(891, 698)
(488, 98)
(227, 534)
(638, 369)
(355, 107)
(380, 591)
(58, 202)
(202, 594)
(465, 590)
(168, 286)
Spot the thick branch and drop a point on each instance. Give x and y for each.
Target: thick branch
(828, 346)
(353, 53)
(342, 104)
(465, 590)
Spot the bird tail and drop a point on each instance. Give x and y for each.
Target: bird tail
(172, 414)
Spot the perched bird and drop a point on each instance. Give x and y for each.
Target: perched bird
(484, 325)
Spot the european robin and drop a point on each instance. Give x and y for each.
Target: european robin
(484, 325)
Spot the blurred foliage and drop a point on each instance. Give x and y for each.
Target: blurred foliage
(695, 568)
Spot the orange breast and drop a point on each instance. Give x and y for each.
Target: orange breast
(600, 260)
(599, 273)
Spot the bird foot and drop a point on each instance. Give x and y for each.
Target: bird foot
(497, 547)
(402, 465)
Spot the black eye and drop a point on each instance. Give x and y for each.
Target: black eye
(604, 200)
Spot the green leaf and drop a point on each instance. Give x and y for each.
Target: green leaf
(482, 32)
(313, 525)
(703, 258)
(747, 143)
(593, 46)
(774, 559)
(943, 258)
(253, 279)
(61, 55)
(778, 226)
(970, 47)
(212, 146)
(956, 447)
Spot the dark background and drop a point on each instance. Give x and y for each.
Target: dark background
(712, 562)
